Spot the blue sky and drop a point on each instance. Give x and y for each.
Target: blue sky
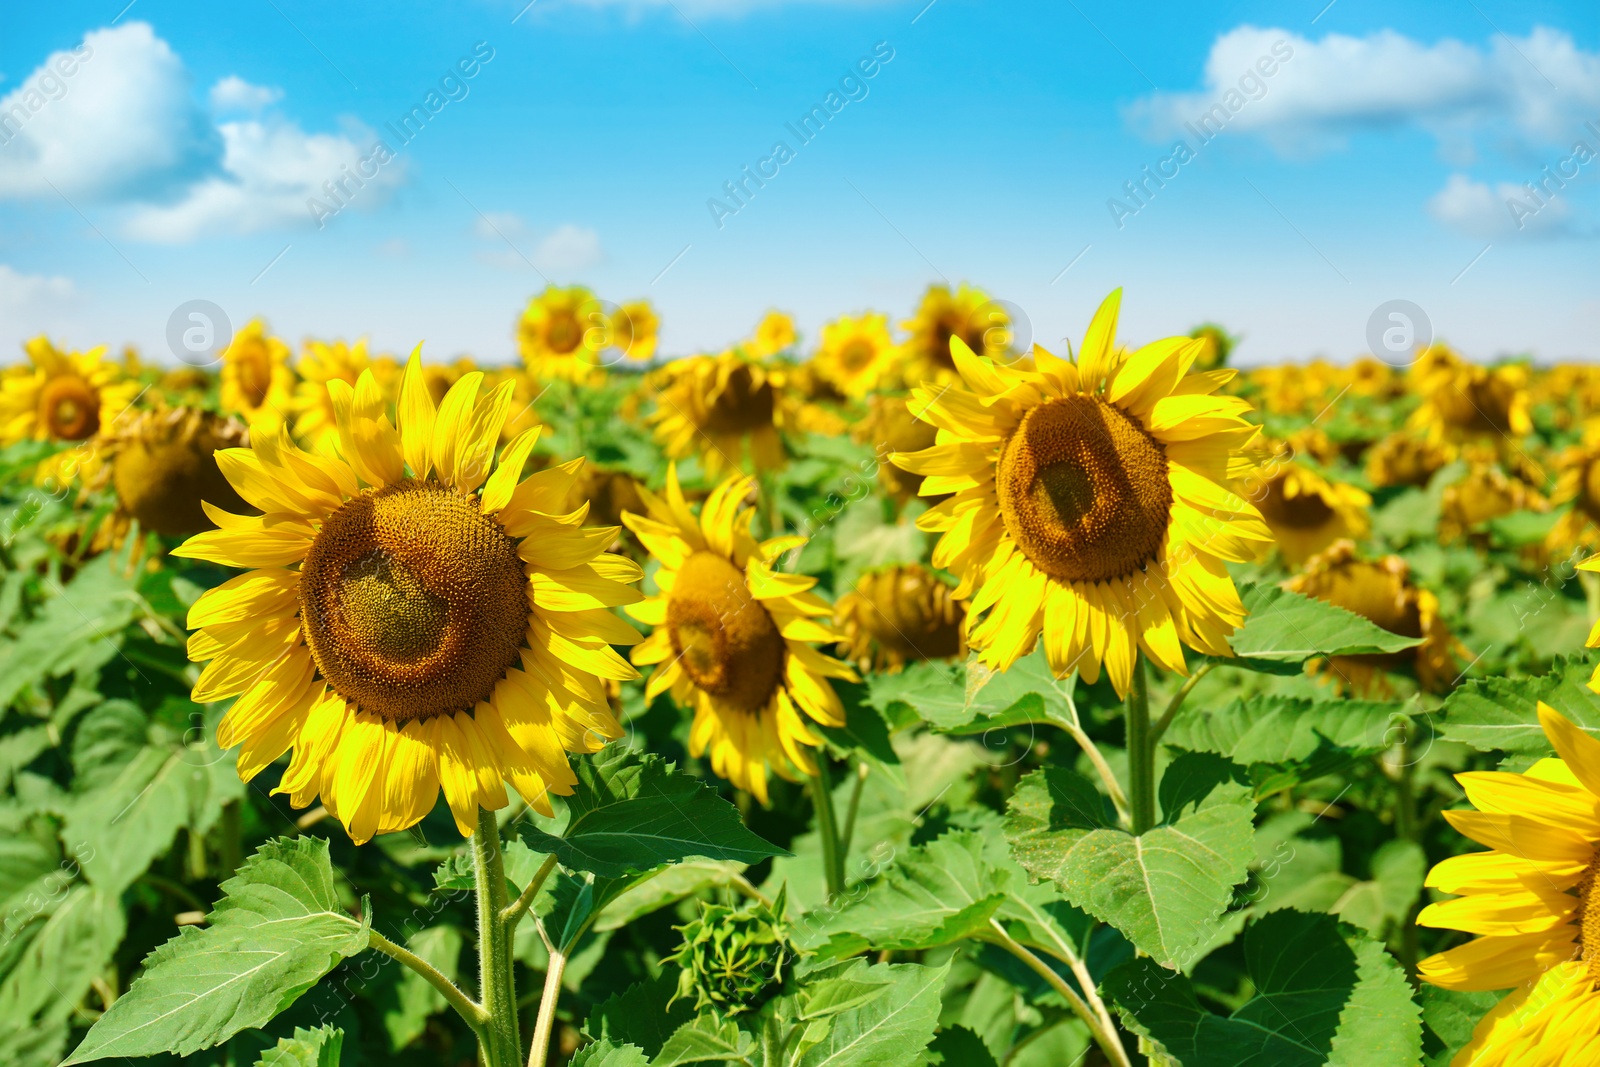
(180, 158)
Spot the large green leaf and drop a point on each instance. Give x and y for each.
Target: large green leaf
(632, 812)
(706, 1039)
(78, 629)
(1271, 728)
(603, 1053)
(1381, 1022)
(276, 931)
(972, 699)
(1285, 627)
(640, 1014)
(1452, 1015)
(51, 961)
(1161, 889)
(1303, 974)
(1503, 713)
(320, 1047)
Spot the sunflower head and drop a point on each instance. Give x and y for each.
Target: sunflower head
(634, 328)
(417, 616)
(1306, 511)
(901, 614)
(856, 354)
(1578, 484)
(1090, 502)
(967, 315)
(1406, 459)
(562, 333)
(718, 406)
(1372, 378)
(1485, 492)
(775, 333)
(733, 961)
(63, 396)
(165, 470)
(1219, 346)
(257, 381)
(733, 636)
(322, 362)
(890, 427)
(1465, 402)
(1383, 592)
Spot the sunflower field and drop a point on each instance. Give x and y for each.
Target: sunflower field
(893, 697)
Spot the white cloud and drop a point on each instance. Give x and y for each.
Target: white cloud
(564, 250)
(233, 93)
(1538, 89)
(112, 117)
(29, 292)
(1507, 211)
(568, 248)
(493, 225)
(271, 171)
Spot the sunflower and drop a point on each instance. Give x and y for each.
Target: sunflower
(163, 465)
(1405, 459)
(891, 427)
(900, 614)
(856, 354)
(562, 333)
(1306, 511)
(1296, 389)
(1372, 378)
(1464, 402)
(185, 386)
(1381, 591)
(968, 314)
(1578, 484)
(607, 493)
(1219, 345)
(634, 326)
(257, 381)
(1090, 502)
(774, 333)
(322, 363)
(63, 396)
(716, 406)
(732, 636)
(1528, 901)
(412, 621)
(1485, 492)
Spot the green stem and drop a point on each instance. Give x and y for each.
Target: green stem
(519, 907)
(1141, 752)
(547, 1009)
(500, 1043)
(1405, 827)
(849, 832)
(1177, 700)
(827, 827)
(475, 1016)
(1099, 1024)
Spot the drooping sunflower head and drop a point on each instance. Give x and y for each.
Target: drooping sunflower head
(634, 327)
(968, 315)
(163, 466)
(1406, 459)
(718, 406)
(775, 333)
(1382, 591)
(890, 427)
(1485, 492)
(1528, 901)
(1465, 402)
(417, 616)
(322, 362)
(733, 636)
(62, 396)
(1090, 502)
(856, 354)
(1578, 484)
(257, 381)
(562, 333)
(900, 614)
(1306, 511)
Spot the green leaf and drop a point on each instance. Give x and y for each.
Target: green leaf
(1303, 974)
(973, 699)
(667, 887)
(864, 733)
(1520, 528)
(414, 1000)
(307, 1048)
(706, 1039)
(78, 629)
(941, 892)
(1161, 889)
(51, 960)
(1381, 1022)
(1190, 778)
(640, 1015)
(1453, 1014)
(276, 931)
(604, 1054)
(956, 1046)
(1285, 627)
(1502, 713)
(889, 1029)
(1385, 900)
(632, 812)
(1276, 729)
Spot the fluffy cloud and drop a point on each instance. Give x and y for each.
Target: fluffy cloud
(124, 128)
(1537, 89)
(1504, 212)
(566, 249)
(20, 291)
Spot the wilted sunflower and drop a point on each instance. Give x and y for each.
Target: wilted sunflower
(1528, 902)
(715, 406)
(732, 636)
(774, 333)
(412, 620)
(857, 354)
(1578, 484)
(1485, 492)
(1091, 503)
(163, 464)
(900, 614)
(968, 314)
(321, 363)
(1306, 511)
(634, 327)
(1381, 591)
(1463, 402)
(1302, 389)
(562, 333)
(1405, 459)
(62, 396)
(891, 427)
(257, 381)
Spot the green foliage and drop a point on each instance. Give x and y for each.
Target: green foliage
(307, 1048)
(730, 961)
(1290, 628)
(1501, 713)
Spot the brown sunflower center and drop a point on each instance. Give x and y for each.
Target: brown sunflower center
(1588, 919)
(910, 612)
(1083, 490)
(857, 355)
(564, 332)
(167, 465)
(726, 641)
(1303, 511)
(742, 405)
(414, 602)
(255, 377)
(69, 408)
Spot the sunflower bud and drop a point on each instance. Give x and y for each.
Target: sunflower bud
(899, 615)
(164, 466)
(733, 961)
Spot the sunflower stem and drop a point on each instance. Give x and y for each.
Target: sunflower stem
(475, 1016)
(1141, 752)
(850, 813)
(547, 1010)
(1098, 1022)
(1177, 700)
(500, 1042)
(519, 907)
(827, 826)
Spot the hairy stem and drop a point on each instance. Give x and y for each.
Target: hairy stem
(1177, 700)
(1141, 752)
(827, 827)
(500, 1043)
(547, 1009)
(849, 832)
(519, 907)
(464, 1005)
